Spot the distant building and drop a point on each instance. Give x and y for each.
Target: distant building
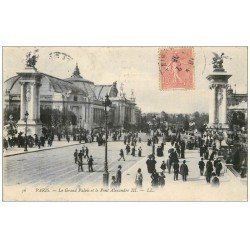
(82, 96)
(237, 103)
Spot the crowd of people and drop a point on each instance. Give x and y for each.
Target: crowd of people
(209, 165)
(176, 162)
(79, 157)
(20, 141)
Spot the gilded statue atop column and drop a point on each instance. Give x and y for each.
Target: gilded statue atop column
(31, 59)
(218, 61)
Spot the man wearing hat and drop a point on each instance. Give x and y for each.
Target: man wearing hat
(201, 166)
(184, 170)
(90, 164)
(80, 155)
(176, 170)
(119, 176)
(218, 167)
(76, 156)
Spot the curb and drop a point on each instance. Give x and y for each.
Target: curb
(39, 150)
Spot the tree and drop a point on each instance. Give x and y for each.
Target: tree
(56, 118)
(200, 119)
(72, 118)
(45, 117)
(15, 112)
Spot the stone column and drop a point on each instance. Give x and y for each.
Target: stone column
(122, 114)
(212, 101)
(224, 106)
(218, 81)
(33, 103)
(22, 101)
(38, 101)
(30, 101)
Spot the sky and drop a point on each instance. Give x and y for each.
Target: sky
(137, 68)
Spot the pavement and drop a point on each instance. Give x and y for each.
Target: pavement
(56, 167)
(56, 144)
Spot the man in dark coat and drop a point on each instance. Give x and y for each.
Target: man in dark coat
(86, 153)
(201, 150)
(153, 163)
(206, 154)
(155, 179)
(127, 149)
(212, 155)
(76, 156)
(209, 170)
(176, 170)
(36, 139)
(149, 165)
(119, 176)
(162, 179)
(68, 138)
(80, 155)
(173, 157)
(168, 164)
(90, 164)
(201, 166)
(139, 151)
(163, 166)
(121, 155)
(218, 167)
(184, 171)
(133, 151)
(178, 150)
(42, 139)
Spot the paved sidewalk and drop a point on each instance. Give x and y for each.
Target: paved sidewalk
(56, 144)
(196, 187)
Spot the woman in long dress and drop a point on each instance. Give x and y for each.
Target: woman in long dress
(138, 178)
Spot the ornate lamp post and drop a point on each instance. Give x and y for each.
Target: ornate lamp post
(26, 120)
(107, 104)
(80, 136)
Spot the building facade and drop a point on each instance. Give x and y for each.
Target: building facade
(77, 94)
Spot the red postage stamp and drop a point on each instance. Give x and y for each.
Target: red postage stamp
(176, 68)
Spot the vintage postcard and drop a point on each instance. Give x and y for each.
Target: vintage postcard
(125, 124)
